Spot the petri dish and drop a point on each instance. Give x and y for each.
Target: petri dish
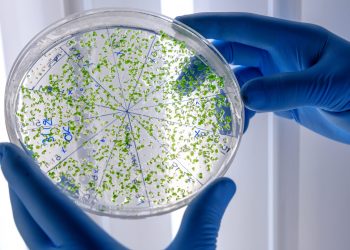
(129, 113)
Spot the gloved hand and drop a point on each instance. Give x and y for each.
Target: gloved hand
(47, 219)
(300, 71)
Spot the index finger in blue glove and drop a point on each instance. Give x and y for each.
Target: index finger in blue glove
(290, 90)
(244, 74)
(264, 93)
(201, 221)
(250, 29)
(62, 221)
(245, 55)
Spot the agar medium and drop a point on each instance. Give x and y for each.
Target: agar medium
(131, 114)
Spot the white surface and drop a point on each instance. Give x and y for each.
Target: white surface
(20, 21)
(324, 221)
(333, 15)
(244, 225)
(255, 6)
(324, 186)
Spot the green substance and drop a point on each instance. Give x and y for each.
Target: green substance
(125, 118)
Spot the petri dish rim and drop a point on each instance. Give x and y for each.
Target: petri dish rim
(13, 88)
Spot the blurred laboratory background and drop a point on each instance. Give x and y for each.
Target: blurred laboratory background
(293, 185)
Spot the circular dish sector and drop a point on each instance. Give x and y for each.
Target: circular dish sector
(129, 113)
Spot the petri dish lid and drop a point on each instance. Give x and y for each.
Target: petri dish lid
(130, 113)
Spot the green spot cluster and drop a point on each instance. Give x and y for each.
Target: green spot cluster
(125, 119)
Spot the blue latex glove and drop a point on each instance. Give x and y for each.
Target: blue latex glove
(300, 71)
(47, 219)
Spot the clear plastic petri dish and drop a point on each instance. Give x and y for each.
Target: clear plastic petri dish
(130, 113)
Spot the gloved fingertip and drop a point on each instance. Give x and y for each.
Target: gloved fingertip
(218, 194)
(253, 96)
(201, 221)
(192, 20)
(178, 18)
(183, 17)
(224, 188)
(228, 185)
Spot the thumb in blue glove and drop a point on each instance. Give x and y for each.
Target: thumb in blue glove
(47, 219)
(300, 71)
(201, 222)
